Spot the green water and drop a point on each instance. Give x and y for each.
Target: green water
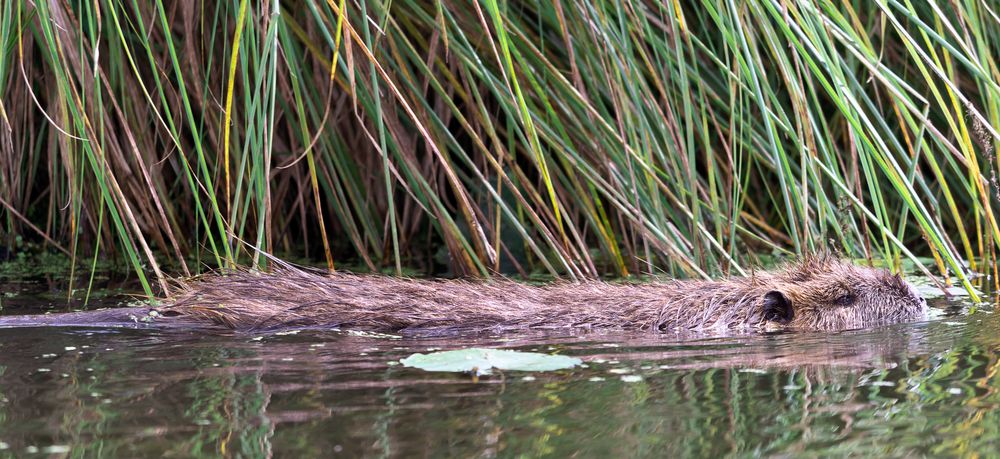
(926, 388)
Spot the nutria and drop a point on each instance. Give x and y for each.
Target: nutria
(820, 293)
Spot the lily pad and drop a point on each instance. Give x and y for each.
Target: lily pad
(930, 290)
(482, 361)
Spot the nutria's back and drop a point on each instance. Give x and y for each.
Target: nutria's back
(819, 293)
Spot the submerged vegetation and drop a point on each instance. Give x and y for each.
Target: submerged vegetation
(572, 138)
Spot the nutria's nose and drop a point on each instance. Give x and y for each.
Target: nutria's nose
(915, 294)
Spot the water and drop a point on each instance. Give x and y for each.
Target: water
(927, 388)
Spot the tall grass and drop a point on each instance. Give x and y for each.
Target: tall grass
(573, 138)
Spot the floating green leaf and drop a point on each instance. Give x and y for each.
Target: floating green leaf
(482, 361)
(930, 290)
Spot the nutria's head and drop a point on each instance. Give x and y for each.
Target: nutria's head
(829, 294)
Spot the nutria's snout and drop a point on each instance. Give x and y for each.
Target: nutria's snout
(839, 296)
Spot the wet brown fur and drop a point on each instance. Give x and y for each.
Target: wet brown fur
(822, 293)
(819, 293)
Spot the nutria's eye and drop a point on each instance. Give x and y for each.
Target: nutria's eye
(846, 299)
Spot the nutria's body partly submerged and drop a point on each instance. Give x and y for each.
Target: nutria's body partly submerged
(816, 294)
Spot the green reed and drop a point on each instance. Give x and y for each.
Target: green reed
(567, 138)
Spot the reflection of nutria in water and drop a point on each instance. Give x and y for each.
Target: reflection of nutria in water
(820, 293)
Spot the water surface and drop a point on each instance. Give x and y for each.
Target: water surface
(927, 388)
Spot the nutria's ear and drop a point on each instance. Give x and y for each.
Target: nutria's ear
(777, 308)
